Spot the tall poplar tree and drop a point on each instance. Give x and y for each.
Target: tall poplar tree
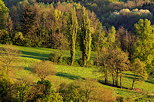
(73, 33)
(86, 32)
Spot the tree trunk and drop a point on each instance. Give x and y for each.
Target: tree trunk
(113, 79)
(73, 48)
(121, 81)
(133, 83)
(106, 76)
(7, 70)
(84, 61)
(72, 52)
(117, 75)
(98, 56)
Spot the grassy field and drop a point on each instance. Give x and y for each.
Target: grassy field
(68, 74)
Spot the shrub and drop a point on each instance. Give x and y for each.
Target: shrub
(122, 99)
(5, 37)
(79, 61)
(47, 86)
(40, 90)
(43, 69)
(3, 89)
(79, 92)
(70, 92)
(59, 59)
(53, 97)
(90, 63)
(19, 39)
(55, 57)
(66, 60)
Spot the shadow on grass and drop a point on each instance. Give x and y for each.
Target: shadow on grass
(149, 81)
(34, 55)
(69, 76)
(109, 84)
(130, 76)
(27, 68)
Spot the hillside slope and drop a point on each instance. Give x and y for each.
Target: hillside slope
(67, 74)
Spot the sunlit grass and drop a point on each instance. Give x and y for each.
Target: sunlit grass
(68, 74)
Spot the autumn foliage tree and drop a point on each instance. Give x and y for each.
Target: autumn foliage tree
(106, 44)
(139, 71)
(28, 24)
(8, 56)
(114, 62)
(126, 40)
(78, 91)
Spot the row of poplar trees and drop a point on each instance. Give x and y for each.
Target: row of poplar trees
(71, 26)
(61, 26)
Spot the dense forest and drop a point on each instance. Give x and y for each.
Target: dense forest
(112, 36)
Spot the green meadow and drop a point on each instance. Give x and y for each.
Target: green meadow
(67, 74)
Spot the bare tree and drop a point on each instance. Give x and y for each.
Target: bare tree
(43, 69)
(8, 55)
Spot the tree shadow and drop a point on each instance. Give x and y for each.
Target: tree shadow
(109, 84)
(149, 81)
(27, 68)
(34, 55)
(129, 76)
(69, 76)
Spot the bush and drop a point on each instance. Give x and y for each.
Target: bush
(5, 37)
(53, 97)
(18, 38)
(59, 59)
(3, 89)
(122, 99)
(70, 92)
(43, 69)
(79, 61)
(47, 86)
(43, 92)
(55, 57)
(66, 60)
(79, 92)
(90, 63)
